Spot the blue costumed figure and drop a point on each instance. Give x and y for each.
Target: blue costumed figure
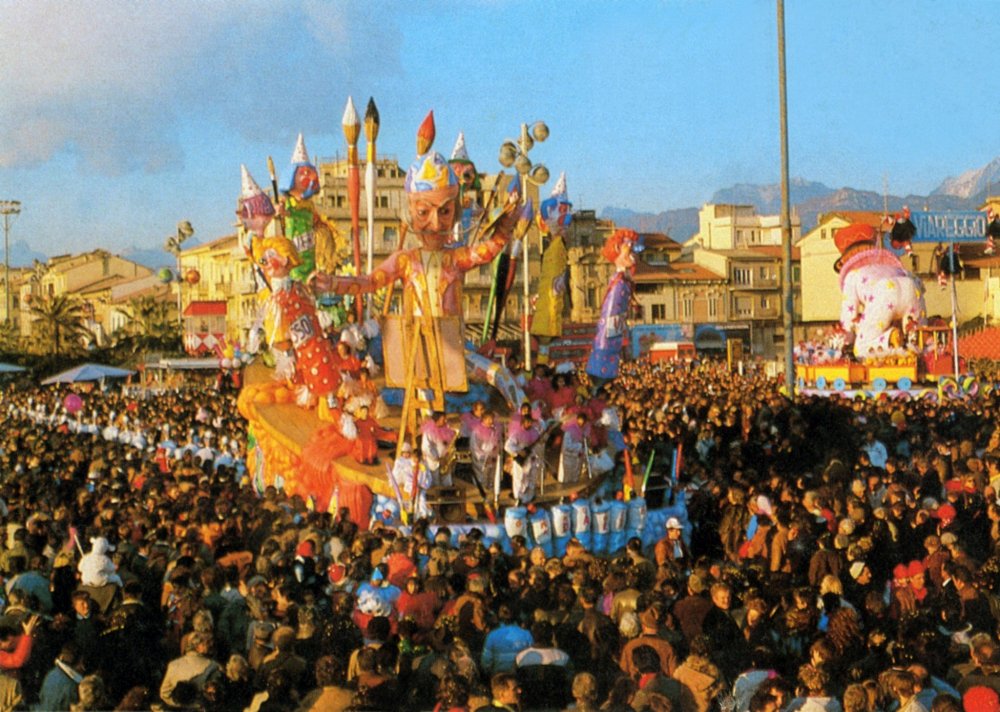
(605, 355)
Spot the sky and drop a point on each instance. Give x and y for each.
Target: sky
(119, 119)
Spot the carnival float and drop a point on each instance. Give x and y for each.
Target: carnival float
(883, 343)
(383, 410)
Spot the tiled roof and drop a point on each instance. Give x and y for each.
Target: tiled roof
(982, 344)
(205, 309)
(675, 272)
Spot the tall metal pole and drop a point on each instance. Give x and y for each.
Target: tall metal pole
(9, 209)
(786, 219)
(954, 309)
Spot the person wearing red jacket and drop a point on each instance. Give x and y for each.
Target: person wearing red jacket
(15, 648)
(369, 433)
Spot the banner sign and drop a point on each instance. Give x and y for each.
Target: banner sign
(949, 225)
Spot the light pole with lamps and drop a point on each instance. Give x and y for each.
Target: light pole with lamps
(173, 246)
(515, 153)
(9, 209)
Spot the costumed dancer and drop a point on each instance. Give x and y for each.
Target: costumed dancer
(554, 216)
(485, 440)
(436, 440)
(526, 462)
(605, 355)
(432, 275)
(572, 456)
(883, 302)
(370, 433)
(318, 242)
(412, 480)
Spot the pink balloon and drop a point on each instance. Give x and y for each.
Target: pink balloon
(73, 403)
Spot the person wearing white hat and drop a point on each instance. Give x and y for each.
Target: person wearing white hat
(671, 549)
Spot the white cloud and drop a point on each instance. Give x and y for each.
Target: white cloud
(114, 82)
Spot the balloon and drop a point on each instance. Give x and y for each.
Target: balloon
(192, 276)
(72, 403)
(228, 352)
(227, 363)
(165, 275)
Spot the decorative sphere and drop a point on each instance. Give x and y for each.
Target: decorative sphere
(192, 276)
(540, 131)
(165, 275)
(508, 152)
(540, 174)
(522, 165)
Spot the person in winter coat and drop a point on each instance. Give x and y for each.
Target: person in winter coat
(701, 681)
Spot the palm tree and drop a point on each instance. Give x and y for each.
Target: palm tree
(59, 320)
(148, 325)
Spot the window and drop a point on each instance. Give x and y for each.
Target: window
(658, 312)
(765, 303)
(383, 201)
(687, 306)
(389, 238)
(743, 306)
(591, 297)
(763, 273)
(713, 307)
(340, 201)
(741, 275)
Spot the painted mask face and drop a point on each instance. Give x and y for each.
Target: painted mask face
(432, 215)
(625, 259)
(465, 172)
(306, 182)
(255, 213)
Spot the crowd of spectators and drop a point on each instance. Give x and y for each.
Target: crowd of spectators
(839, 554)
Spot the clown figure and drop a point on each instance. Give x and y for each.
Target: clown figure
(883, 302)
(317, 241)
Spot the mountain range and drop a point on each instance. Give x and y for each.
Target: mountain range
(809, 199)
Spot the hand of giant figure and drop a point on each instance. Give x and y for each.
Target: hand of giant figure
(883, 302)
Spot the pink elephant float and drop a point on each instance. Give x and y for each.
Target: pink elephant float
(883, 302)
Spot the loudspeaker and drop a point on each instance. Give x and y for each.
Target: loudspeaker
(448, 502)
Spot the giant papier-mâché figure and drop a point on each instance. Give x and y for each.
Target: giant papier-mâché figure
(882, 301)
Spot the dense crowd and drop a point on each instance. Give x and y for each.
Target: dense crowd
(837, 555)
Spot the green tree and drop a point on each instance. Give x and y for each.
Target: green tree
(149, 326)
(59, 324)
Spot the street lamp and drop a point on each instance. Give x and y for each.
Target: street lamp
(515, 153)
(173, 246)
(9, 209)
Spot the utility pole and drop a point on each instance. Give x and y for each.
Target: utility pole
(9, 209)
(787, 297)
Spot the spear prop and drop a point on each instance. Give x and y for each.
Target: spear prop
(371, 136)
(352, 130)
(403, 514)
(279, 220)
(649, 469)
